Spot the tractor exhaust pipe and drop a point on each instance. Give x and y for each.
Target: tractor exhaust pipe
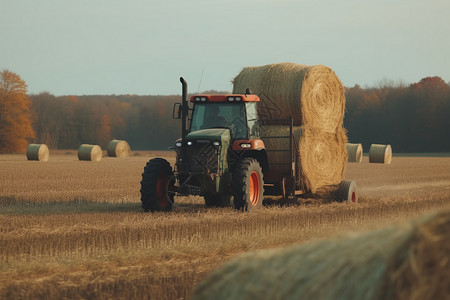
(184, 116)
(184, 110)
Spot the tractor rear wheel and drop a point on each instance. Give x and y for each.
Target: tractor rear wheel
(157, 186)
(248, 185)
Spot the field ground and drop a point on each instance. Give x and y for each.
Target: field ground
(73, 229)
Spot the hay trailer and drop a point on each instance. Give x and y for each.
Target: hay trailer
(223, 156)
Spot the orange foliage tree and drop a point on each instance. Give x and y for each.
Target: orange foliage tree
(15, 116)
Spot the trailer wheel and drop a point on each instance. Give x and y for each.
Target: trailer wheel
(347, 191)
(248, 185)
(157, 186)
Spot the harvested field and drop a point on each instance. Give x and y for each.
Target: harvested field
(406, 261)
(77, 230)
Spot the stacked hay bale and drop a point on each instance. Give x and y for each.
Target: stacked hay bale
(118, 148)
(380, 154)
(37, 152)
(408, 261)
(313, 97)
(355, 152)
(90, 152)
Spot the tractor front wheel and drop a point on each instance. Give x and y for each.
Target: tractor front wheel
(248, 185)
(157, 186)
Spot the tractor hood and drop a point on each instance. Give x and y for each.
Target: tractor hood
(201, 142)
(221, 135)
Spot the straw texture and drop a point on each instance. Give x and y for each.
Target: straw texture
(312, 95)
(407, 261)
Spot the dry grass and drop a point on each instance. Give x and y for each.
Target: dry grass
(72, 229)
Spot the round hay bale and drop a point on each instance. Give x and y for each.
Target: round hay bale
(355, 152)
(380, 154)
(118, 148)
(322, 156)
(90, 152)
(407, 261)
(312, 95)
(37, 152)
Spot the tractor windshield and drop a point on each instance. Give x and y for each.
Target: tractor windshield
(220, 115)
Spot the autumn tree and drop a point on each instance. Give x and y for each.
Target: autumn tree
(15, 117)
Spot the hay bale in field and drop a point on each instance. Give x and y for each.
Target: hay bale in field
(312, 95)
(118, 148)
(380, 154)
(37, 152)
(408, 261)
(355, 152)
(90, 152)
(322, 156)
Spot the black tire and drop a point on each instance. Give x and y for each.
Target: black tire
(248, 185)
(217, 200)
(347, 191)
(156, 182)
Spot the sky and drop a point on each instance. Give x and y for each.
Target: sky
(106, 47)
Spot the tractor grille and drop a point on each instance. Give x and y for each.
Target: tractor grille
(203, 157)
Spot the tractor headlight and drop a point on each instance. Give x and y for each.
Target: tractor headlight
(189, 143)
(238, 98)
(216, 143)
(178, 144)
(246, 145)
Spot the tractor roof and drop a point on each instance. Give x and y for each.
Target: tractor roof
(225, 98)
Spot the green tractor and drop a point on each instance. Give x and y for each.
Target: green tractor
(222, 157)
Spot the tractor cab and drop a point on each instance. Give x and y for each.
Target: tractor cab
(237, 113)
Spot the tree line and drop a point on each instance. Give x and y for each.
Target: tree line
(413, 118)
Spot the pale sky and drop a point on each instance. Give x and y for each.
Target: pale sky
(86, 47)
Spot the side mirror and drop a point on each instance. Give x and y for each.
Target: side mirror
(176, 113)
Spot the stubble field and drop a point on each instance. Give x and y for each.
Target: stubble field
(73, 229)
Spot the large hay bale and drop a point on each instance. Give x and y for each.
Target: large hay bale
(118, 148)
(90, 152)
(312, 95)
(408, 261)
(37, 152)
(355, 152)
(321, 155)
(380, 154)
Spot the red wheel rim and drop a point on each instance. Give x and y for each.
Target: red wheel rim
(353, 197)
(162, 191)
(254, 188)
